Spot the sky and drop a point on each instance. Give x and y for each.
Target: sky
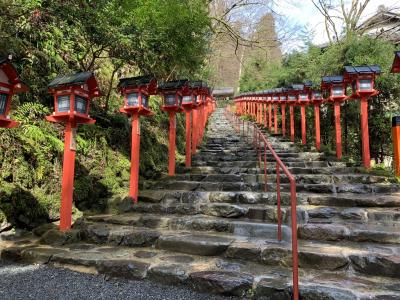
(303, 13)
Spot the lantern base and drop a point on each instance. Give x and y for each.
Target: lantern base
(68, 117)
(6, 123)
(141, 111)
(363, 94)
(188, 106)
(172, 108)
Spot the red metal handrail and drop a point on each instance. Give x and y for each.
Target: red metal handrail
(258, 139)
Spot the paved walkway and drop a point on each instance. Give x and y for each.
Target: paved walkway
(41, 282)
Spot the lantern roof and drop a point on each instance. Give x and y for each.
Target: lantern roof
(13, 77)
(173, 85)
(198, 84)
(357, 70)
(297, 86)
(327, 80)
(396, 63)
(133, 82)
(76, 79)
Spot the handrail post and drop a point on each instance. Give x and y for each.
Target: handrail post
(295, 260)
(278, 199)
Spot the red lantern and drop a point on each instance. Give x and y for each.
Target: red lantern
(172, 93)
(10, 84)
(396, 62)
(72, 95)
(136, 92)
(362, 79)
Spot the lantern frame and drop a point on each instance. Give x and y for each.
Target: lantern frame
(10, 84)
(142, 86)
(176, 89)
(396, 63)
(354, 75)
(330, 83)
(316, 99)
(74, 85)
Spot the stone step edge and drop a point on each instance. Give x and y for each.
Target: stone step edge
(224, 282)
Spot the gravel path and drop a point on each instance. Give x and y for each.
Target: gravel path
(42, 282)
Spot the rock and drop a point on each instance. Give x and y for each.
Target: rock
(276, 256)
(223, 197)
(377, 265)
(42, 229)
(168, 274)
(354, 213)
(151, 196)
(40, 255)
(243, 250)
(140, 238)
(321, 292)
(5, 226)
(220, 282)
(322, 261)
(12, 254)
(145, 254)
(128, 269)
(223, 210)
(182, 259)
(54, 237)
(206, 245)
(323, 212)
(272, 289)
(325, 232)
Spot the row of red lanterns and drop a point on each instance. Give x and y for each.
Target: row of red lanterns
(333, 89)
(72, 95)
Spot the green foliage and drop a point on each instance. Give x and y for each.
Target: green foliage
(316, 62)
(115, 39)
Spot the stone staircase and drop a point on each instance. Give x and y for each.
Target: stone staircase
(213, 228)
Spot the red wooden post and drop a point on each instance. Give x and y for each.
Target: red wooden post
(317, 127)
(283, 109)
(338, 130)
(172, 143)
(194, 134)
(135, 152)
(270, 116)
(265, 116)
(291, 110)
(276, 118)
(303, 124)
(67, 182)
(365, 133)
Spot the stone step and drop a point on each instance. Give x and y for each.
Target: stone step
(357, 188)
(253, 164)
(351, 231)
(300, 178)
(353, 200)
(318, 255)
(218, 275)
(271, 169)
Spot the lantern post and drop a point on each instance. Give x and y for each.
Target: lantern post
(335, 88)
(303, 100)
(396, 121)
(269, 99)
(172, 92)
(189, 103)
(283, 101)
(362, 79)
(136, 92)
(275, 101)
(72, 95)
(265, 103)
(292, 101)
(10, 84)
(317, 100)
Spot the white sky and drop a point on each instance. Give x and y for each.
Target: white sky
(304, 13)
